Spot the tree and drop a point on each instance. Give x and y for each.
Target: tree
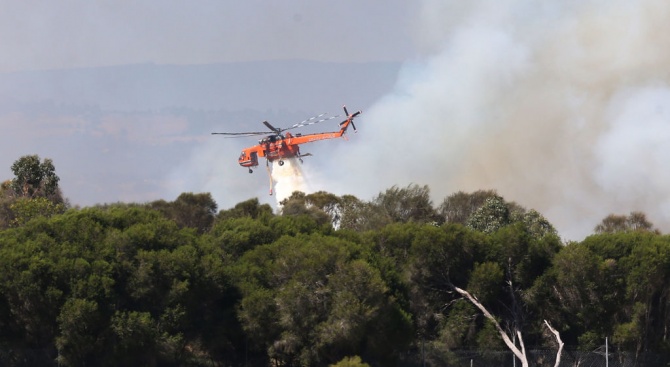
(237, 236)
(361, 216)
(309, 300)
(7, 198)
(492, 272)
(491, 216)
(354, 361)
(250, 208)
(439, 257)
(411, 203)
(519, 352)
(495, 213)
(34, 178)
(79, 324)
(120, 285)
(327, 203)
(189, 210)
(537, 224)
(559, 342)
(31, 193)
(25, 209)
(300, 203)
(458, 207)
(635, 221)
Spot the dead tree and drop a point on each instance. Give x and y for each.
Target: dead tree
(560, 343)
(519, 353)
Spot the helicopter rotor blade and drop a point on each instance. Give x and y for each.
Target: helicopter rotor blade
(242, 135)
(311, 122)
(271, 127)
(302, 123)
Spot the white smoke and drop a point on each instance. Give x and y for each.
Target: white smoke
(561, 106)
(288, 178)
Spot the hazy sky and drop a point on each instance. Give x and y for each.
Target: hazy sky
(40, 34)
(562, 105)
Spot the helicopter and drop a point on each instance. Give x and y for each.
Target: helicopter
(280, 145)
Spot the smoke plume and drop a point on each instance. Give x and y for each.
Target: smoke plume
(561, 106)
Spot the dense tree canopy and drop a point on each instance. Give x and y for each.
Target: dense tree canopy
(327, 280)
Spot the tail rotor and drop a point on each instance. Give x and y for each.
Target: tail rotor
(350, 118)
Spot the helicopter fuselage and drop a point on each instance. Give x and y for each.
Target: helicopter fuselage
(279, 147)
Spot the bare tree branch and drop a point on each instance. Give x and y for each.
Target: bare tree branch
(560, 343)
(521, 354)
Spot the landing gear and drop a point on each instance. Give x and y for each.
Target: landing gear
(281, 163)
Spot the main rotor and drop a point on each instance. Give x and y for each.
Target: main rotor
(278, 131)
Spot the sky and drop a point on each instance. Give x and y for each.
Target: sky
(39, 34)
(562, 106)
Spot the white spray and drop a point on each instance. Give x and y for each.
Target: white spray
(287, 179)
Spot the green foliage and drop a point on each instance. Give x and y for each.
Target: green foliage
(237, 236)
(34, 178)
(361, 216)
(120, 284)
(7, 198)
(628, 335)
(354, 361)
(296, 224)
(458, 329)
(170, 283)
(32, 193)
(486, 281)
(25, 209)
(300, 204)
(308, 301)
(440, 257)
(491, 216)
(189, 210)
(537, 224)
(459, 207)
(136, 335)
(411, 203)
(79, 325)
(488, 212)
(488, 338)
(250, 208)
(635, 221)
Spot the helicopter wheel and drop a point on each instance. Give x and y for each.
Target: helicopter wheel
(251, 171)
(281, 163)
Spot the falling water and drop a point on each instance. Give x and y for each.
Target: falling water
(288, 178)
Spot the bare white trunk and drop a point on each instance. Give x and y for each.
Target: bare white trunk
(560, 343)
(519, 353)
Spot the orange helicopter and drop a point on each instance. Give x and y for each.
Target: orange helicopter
(280, 145)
